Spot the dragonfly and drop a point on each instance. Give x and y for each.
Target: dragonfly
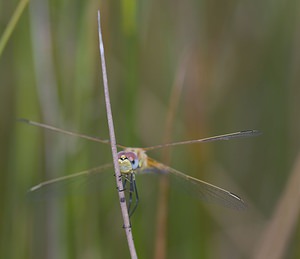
(134, 161)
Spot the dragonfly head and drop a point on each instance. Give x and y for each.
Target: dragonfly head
(128, 161)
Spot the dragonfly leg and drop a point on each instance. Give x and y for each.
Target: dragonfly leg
(134, 190)
(131, 191)
(126, 177)
(127, 226)
(124, 185)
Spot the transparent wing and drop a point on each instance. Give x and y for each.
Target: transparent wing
(229, 136)
(61, 185)
(67, 132)
(201, 189)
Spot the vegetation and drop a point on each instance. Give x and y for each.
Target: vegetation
(241, 63)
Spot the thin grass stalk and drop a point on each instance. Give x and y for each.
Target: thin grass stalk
(162, 212)
(46, 85)
(12, 24)
(278, 232)
(127, 225)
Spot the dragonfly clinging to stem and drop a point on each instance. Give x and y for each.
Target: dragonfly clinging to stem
(135, 161)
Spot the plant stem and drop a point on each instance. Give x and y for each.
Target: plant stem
(127, 225)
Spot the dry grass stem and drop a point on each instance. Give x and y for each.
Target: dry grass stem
(278, 232)
(162, 212)
(127, 226)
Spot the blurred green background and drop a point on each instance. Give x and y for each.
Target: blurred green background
(241, 72)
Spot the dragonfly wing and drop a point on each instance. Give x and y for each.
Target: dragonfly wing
(55, 187)
(203, 190)
(67, 132)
